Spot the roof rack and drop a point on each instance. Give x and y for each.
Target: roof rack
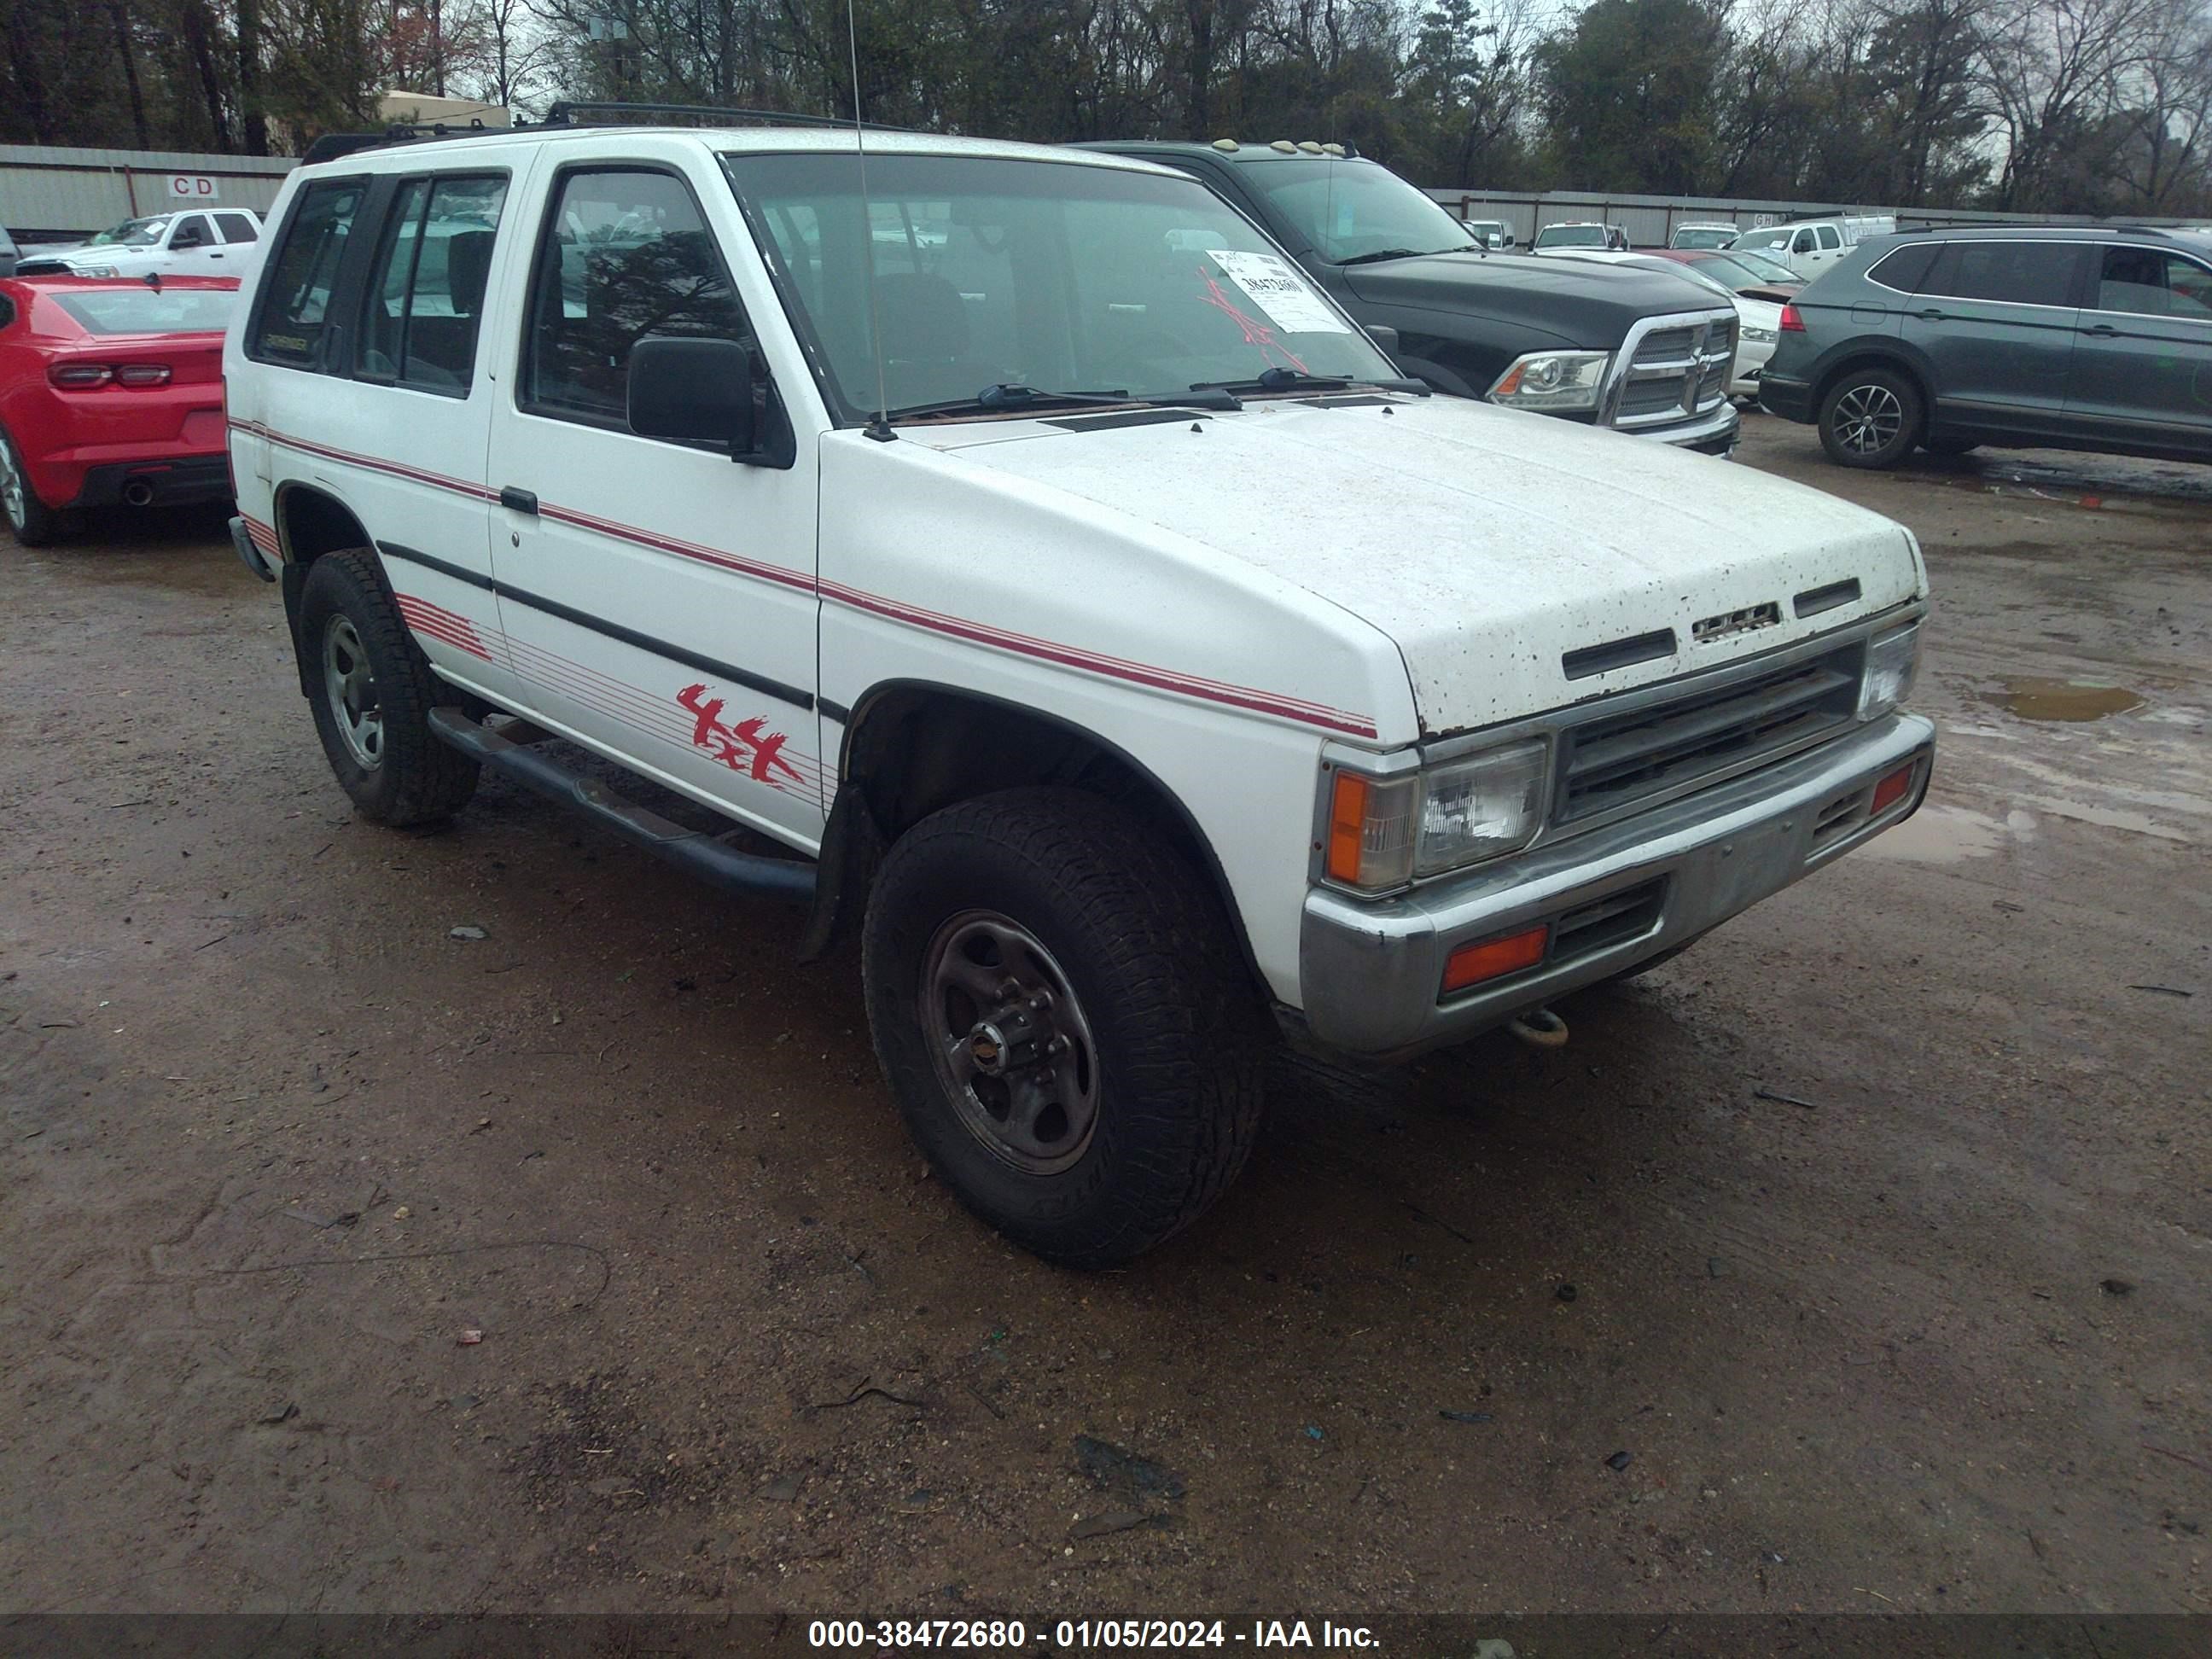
(565, 113)
(333, 145)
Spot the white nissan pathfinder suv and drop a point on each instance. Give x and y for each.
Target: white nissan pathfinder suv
(1112, 637)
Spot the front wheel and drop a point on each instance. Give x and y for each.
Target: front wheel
(1059, 1010)
(1871, 417)
(33, 522)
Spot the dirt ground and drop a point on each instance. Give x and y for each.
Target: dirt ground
(1886, 1211)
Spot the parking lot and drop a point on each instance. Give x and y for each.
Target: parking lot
(1857, 1261)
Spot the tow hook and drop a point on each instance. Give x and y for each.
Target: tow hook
(1540, 1027)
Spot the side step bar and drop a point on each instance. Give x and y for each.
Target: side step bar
(691, 849)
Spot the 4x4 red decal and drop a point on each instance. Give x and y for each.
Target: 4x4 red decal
(741, 747)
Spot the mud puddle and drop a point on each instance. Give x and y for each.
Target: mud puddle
(2082, 480)
(1940, 835)
(2033, 697)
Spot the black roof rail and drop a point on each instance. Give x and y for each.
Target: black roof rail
(332, 146)
(564, 114)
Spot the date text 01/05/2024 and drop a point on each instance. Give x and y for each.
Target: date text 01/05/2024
(1010, 1635)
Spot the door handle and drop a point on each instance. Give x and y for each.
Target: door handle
(517, 500)
(2102, 331)
(1930, 316)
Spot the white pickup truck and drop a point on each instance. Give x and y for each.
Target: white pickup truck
(203, 242)
(1112, 638)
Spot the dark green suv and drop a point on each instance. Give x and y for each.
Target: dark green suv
(2058, 338)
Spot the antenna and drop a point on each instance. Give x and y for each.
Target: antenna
(880, 428)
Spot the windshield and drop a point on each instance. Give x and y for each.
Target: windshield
(1571, 236)
(1715, 238)
(132, 232)
(1064, 277)
(1776, 236)
(140, 310)
(1347, 209)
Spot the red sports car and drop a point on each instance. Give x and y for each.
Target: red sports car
(110, 391)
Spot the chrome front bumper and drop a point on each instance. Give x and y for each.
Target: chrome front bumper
(1371, 973)
(1714, 433)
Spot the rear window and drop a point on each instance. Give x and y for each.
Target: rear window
(139, 310)
(1906, 269)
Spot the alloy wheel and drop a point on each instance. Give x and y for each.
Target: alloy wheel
(12, 486)
(1868, 418)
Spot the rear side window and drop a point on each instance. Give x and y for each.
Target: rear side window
(2147, 282)
(1907, 268)
(2012, 273)
(296, 295)
(1828, 237)
(237, 227)
(625, 255)
(426, 291)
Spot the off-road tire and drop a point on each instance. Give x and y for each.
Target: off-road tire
(33, 523)
(1178, 1029)
(1883, 396)
(417, 779)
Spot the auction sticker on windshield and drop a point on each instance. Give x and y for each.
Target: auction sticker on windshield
(1276, 287)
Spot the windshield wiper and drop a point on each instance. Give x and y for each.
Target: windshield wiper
(1381, 253)
(1277, 379)
(1280, 379)
(1006, 396)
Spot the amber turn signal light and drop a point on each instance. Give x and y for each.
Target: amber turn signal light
(1890, 790)
(1471, 964)
(1347, 818)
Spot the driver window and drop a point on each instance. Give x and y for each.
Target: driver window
(1804, 244)
(191, 231)
(624, 254)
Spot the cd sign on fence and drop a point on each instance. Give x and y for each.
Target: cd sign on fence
(192, 187)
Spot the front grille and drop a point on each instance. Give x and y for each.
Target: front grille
(1664, 345)
(1652, 398)
(1609, 763)
(1676, 369)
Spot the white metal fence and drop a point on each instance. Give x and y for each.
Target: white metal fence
(1649, 221)
(49, 193)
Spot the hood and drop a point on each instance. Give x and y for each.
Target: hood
(1484, 543)
(1562, 301)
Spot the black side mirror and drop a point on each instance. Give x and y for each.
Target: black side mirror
(1386, 336)
(695, 391)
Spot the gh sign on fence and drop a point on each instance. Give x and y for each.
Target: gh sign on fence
(192, 187)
